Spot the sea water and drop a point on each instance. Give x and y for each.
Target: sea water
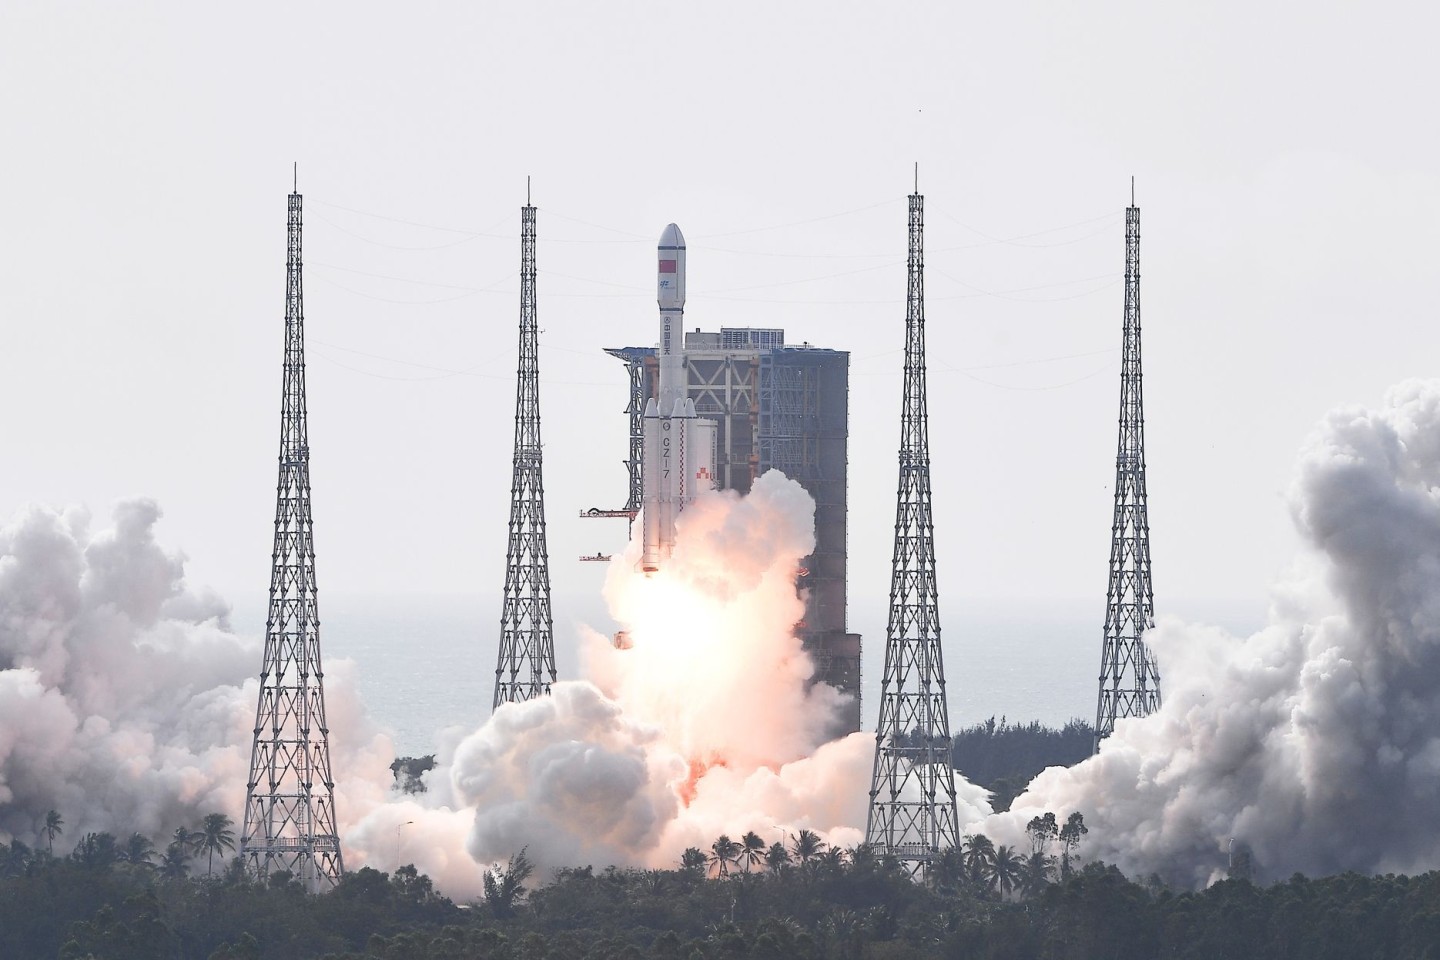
(426, 665)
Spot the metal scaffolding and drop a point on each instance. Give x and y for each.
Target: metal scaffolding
(1129, 679)
(634, 360)
(912, 794)
(526, 664)
(290, 795)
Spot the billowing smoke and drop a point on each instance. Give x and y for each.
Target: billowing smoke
(1316, 742)
(126, 703)
(701, 723)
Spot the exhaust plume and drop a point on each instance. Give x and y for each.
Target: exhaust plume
(126, 703)
(703, 724)
(1316, 741)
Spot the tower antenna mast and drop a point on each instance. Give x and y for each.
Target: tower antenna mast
(1129, 678)
(290, 795)
(526, 664)
(912, 793)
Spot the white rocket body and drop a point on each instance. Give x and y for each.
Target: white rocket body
(679, 446)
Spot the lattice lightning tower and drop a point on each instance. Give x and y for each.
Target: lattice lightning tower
(1129, 680)
(912, 793)
(526, 666)
(290, 796)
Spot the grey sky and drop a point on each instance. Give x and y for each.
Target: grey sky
(1286, 157)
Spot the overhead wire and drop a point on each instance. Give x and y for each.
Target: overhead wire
(423, 283)
(1028, 363)
(783, 254)
(1000, 366)
(988, 241)
(403, 303)
(799, 223)
(411, 223)
(1004, 294)
(395, 246)
(471, 234)
(1054, 386)
(603, 283)
(786, 283)
(723, 294)
(442, 373)
(1012, 241)
(635, 237)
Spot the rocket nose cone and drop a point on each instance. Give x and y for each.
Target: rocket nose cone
(672, 237)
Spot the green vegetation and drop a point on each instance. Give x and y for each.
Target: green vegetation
(409, 772)
(110, 900)
(1003, 757)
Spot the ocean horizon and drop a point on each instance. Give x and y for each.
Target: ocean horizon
(427, 664)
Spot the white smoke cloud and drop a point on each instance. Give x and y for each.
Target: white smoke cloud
(705, 724)
(126, 703)
(1316, 741)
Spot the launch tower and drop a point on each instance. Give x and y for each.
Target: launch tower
(290, 796)
(912, 792)
(1129, 679)
(526, 665)
(780, 406)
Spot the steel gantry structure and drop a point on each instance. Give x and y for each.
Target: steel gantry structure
(1129, 679)
(526, 663)
(912, 793)
(290, 795)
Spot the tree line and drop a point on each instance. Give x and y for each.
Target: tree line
(1004, 757)
(738, 898)
(214, 835)
(998, 755)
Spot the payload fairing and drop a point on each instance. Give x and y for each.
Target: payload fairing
(679, 446)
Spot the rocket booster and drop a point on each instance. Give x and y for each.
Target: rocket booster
(679, 446)
(670, 294)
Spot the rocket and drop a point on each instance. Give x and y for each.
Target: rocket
(679, 446)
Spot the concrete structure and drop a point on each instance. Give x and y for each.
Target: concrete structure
(775, 407)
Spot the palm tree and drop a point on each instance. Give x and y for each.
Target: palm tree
(183, 841)
(947, 872)
(138, 850)
(96, 850)
(753, 849)
(777, 858)
(693, 860)
(807, 846)
(842, 933)
(831, 861)
(174, 864)
(1035, 874)
(1005, 870)
(979, 854)
(863, 859)
(724, 852)
(53, 823)
(215, 836)
(652, 882)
